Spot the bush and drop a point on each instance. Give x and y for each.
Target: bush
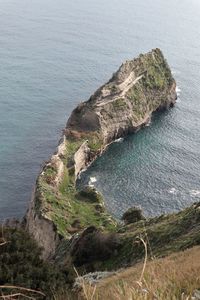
(132, 215)
(94, 245)
(21, 265)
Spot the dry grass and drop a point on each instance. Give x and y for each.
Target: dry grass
(171, 278)
(20, 294)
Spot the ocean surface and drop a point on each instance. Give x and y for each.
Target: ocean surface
(54, 54)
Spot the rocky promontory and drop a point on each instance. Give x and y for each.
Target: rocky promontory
(122, 106)
(84, 252)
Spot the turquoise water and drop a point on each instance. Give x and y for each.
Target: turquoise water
(54, 54)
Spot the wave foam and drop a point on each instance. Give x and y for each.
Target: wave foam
(178, 91)
(120, 140)
(195, 193)
(91, 181)
(172, 191)
(148, 123)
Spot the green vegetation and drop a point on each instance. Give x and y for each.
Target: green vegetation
(136, 94)
(67, 180)
(63, 204)
(20, 265)
(150, 91)
(165, 234)
(157, 73)
(72, 145)
(95, 141)
(138, 100)
(68, 206)
(114, 89)
(120, 103)
(91, 195)
(50, 173)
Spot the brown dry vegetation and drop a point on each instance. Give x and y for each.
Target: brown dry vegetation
(171, 278)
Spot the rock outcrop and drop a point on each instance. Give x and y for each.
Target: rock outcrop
(43, 230)
(81, 157)
(123, 105)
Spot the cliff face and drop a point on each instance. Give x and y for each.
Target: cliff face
(121, 106)
(42, 230)
(38, 218)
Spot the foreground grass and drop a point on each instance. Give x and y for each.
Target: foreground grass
(171, 278)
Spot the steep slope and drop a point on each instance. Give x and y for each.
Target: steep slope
(164, 235)
(121, 106)
(172, 277)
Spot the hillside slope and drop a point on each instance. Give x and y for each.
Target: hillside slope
(175, 277)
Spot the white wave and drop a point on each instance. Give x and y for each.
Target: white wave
(178, 91)
(174, 72)
(148, 123)
(93, 179)
(195, 193)
(172, 191)
(120, 140)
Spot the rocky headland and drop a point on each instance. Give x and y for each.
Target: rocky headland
(121, 106)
